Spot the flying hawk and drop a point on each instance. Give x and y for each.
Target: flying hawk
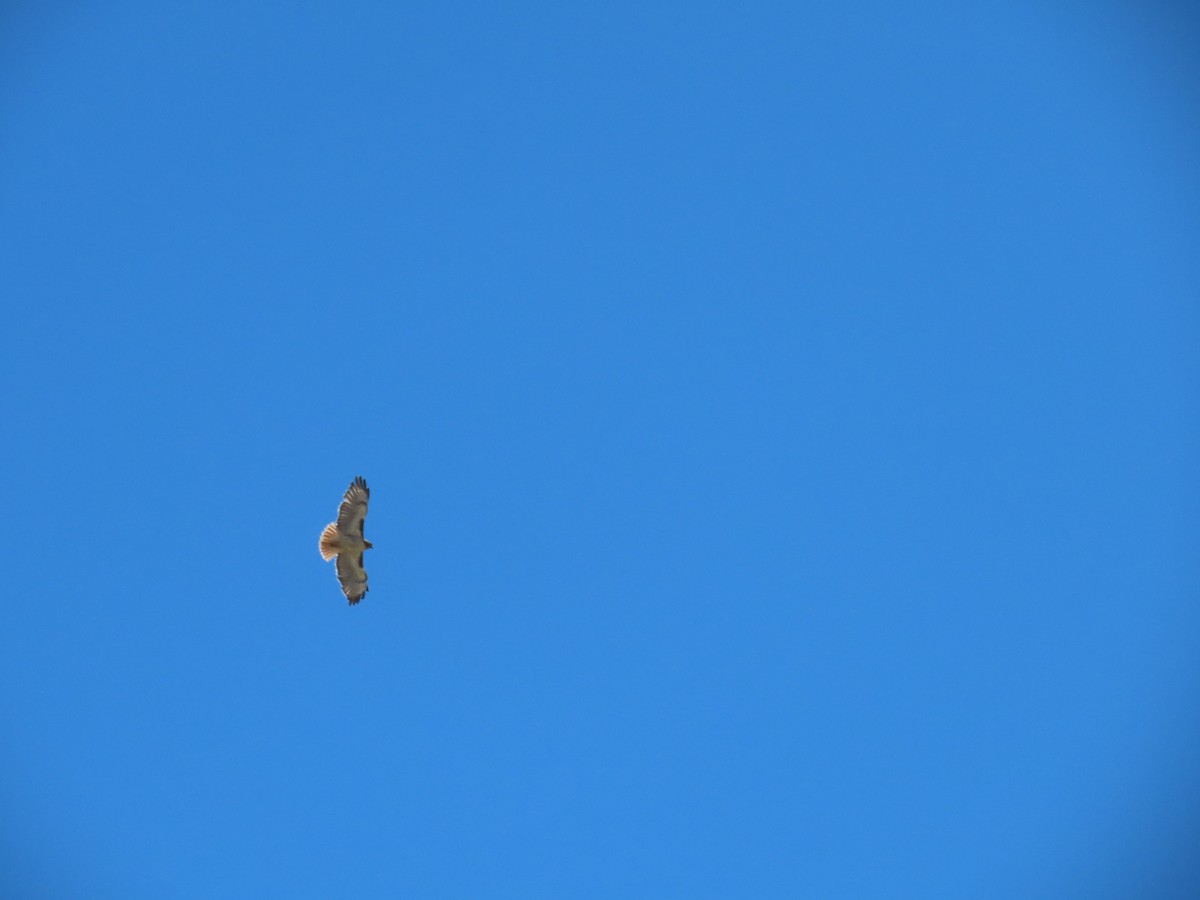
(344, 539)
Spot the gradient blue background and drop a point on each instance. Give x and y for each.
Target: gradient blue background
(781, 419)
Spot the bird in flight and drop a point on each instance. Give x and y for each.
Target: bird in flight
(345, 540)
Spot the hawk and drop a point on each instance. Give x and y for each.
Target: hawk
(344, 539)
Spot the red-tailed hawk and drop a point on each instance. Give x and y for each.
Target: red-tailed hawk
(344, 539)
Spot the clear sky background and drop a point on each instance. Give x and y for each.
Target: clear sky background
(782, 420)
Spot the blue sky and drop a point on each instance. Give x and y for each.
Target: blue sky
(781, 422)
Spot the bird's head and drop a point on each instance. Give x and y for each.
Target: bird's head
(367, 545)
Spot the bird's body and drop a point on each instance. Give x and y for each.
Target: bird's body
(344, 539)
(333, 542)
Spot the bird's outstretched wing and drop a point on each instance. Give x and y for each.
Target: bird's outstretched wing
(353, 511)
(352, 575)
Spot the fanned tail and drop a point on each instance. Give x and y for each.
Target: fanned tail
(329, 538)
